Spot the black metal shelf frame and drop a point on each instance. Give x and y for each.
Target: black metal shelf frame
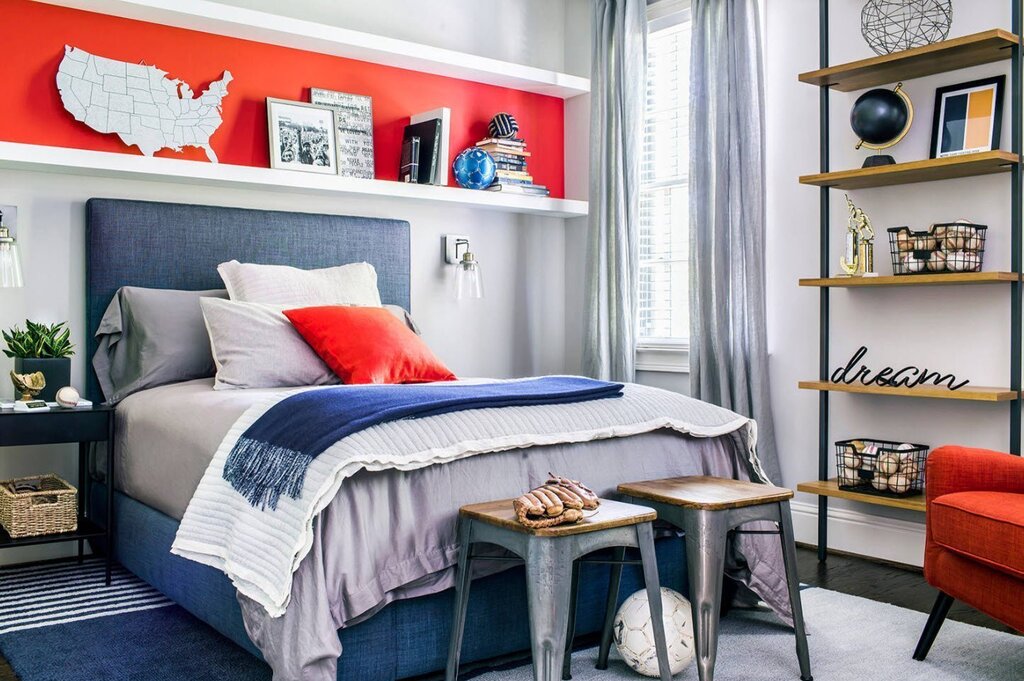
(1016, 113)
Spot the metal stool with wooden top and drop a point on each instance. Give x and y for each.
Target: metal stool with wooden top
(551, 556)
(707, 509)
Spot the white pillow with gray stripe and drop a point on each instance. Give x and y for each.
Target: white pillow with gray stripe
(255, 346)
(352, 284)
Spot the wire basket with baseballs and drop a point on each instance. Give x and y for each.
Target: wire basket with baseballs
(881, 467)
(944, 247)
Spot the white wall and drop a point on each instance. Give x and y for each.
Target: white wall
(523, 31)
(963, 330)
(518, 329)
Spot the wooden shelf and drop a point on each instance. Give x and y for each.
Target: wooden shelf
(31, 157)
(949, 278)
(274, 29)
(928, 170)
(830, 488)
(948, 55)
(969, 392)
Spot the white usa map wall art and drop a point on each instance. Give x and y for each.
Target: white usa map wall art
(140, 103)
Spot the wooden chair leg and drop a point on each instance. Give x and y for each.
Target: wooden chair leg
(931, 628)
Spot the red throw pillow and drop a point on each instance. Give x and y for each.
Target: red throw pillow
(367, 345)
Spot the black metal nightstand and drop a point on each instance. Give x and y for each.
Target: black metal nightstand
(84, 426)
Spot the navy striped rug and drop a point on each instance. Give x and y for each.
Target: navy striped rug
(46, 595)
(61, 622)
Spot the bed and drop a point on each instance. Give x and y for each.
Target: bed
(396, 624)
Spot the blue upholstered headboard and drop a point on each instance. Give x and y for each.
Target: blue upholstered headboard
(178, 246)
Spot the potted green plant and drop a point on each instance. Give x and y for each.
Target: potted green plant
(45, 348)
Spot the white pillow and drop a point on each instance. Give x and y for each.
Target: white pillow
(353, 284)
(255, 346)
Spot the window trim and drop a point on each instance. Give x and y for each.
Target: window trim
(666, 356)
(662, 354)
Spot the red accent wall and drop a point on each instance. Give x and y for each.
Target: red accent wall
(31, 111)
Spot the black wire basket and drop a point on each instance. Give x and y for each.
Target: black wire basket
(945, 247)
(881, 467)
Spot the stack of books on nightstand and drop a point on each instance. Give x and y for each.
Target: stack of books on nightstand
(510, 155)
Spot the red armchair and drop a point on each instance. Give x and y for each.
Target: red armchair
(974, 550)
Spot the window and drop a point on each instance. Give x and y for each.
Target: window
(664, 222)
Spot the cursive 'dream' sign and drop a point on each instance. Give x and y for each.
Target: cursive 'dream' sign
(907, 377)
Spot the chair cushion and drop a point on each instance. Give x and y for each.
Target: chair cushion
(985, 526)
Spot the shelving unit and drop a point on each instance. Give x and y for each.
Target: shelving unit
(980, 48)
(830, 488)
(948, 55)
(273, 29)
(87, 163)
(939, 279)
(971, 393)
(968, 165)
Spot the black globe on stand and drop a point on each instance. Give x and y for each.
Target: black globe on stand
(881, 118)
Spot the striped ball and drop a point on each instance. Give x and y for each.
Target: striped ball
(503, 125)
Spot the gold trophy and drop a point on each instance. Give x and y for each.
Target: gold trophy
(859, 257)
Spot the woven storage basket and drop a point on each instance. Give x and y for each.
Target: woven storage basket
(51, 510)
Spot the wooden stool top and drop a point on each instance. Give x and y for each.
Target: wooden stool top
(706, 493)
(608, 515)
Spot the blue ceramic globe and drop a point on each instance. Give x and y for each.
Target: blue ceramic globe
(474, 168)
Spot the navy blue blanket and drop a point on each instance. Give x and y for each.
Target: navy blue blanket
(272, 455)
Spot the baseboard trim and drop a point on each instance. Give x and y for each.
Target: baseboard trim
(889, 539)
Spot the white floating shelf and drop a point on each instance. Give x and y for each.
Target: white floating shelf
(236, 22)
(31, 157)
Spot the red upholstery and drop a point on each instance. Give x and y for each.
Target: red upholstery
(975, 544)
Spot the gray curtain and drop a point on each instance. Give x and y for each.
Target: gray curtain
(618, 82)
(728, 346)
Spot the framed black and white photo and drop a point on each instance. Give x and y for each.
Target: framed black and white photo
(968, 117)
(302, 137)
(353, 116)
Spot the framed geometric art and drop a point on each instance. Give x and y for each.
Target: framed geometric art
(302, 137)
(968, 117)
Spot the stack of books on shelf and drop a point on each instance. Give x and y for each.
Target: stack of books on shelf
(510, 155)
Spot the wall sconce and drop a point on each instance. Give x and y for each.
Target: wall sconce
(468, 280)
(10, 263)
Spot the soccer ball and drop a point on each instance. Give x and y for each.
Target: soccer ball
(634, 635)
(474, 168)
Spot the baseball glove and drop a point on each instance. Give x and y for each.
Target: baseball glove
(557, 502)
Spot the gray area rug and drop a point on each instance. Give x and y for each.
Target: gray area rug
(851, 639)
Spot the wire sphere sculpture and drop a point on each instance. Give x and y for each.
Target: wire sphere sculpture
(894, 25)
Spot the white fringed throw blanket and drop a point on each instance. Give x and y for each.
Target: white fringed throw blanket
(260, 549)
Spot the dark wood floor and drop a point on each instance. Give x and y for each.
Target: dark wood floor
(898, 585)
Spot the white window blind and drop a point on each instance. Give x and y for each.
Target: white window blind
(664, 226)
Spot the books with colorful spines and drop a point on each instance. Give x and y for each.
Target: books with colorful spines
(503, 149)
(513, 180)
(514, 175)
(529, 189)
(507, 141)
(508, 158)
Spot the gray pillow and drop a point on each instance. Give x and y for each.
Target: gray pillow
(404, 316)
(255, 346)
(150, 337)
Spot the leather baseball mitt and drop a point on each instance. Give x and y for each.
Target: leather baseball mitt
(557, 502)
